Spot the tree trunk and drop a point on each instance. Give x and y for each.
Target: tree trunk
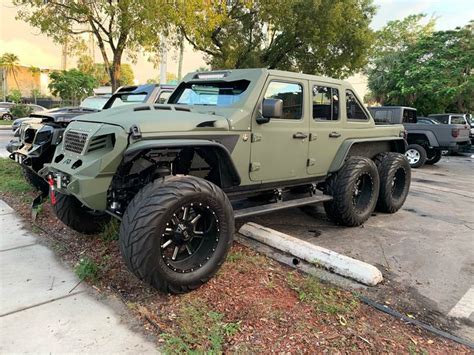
(115, 73)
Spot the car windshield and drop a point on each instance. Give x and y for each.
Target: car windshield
(95, 103)
(127, 99)
(209, 93)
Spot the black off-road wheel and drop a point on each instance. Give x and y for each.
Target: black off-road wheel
(416, 155)
(433, 156)
(355, 190)
(176, 232)
(76, 216)
(35, 180)
(395, 177)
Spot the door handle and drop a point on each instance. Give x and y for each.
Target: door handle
(334, 135)
(300, 135)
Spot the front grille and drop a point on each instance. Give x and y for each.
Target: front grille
(75, 141)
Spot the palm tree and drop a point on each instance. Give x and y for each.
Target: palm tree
(10, 63)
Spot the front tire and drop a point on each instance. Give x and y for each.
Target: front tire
(355, 190)
(176, 232)
(416, 155)
(35, 180)
(395, 177)
(76, 216)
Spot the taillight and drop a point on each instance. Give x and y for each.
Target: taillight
(455, 132)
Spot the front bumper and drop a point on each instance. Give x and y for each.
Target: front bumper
(87, 175)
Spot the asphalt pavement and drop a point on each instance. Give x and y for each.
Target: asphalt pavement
(425, 250)
(5, 136)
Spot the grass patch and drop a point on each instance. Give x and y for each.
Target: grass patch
(245, 261)
(322, 298)
(111, 231)
(11, 177)
(87, 269)
(198, 330)
(5, 123)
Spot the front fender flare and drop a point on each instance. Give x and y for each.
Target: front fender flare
(225, 159)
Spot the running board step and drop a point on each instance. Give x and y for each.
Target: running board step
(276, 206)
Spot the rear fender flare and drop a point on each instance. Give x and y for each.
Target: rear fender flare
(430, 136)
(368, 148)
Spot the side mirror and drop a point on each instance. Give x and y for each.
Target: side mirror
(271, 108)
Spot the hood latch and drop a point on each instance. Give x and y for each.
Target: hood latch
(135, 131)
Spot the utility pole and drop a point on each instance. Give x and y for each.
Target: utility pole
(180, 60)
(163, 61)
(64, 55)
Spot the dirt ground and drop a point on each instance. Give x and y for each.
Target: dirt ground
(254, 304)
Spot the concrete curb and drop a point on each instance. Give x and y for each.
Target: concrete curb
(6, 128)
(335, 262)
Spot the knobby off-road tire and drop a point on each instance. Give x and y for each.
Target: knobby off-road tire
(395, 177)
(433, 156)
(355, 190)
(35, 180)
(176, 232)
(76, 216)
(416, 155)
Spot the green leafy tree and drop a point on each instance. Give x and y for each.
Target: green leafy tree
(98, 70)
(118, 26)
(71, 85)
(330, 37)
(391, 41)
(433, 73)
(10, 63)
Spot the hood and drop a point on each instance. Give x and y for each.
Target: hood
(159, 118)
(62, 114)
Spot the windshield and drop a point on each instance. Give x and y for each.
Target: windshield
(210, 94)
(127, 99)
(95, 103)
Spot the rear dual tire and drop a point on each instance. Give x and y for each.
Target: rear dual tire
(363, 185)
(355, 190)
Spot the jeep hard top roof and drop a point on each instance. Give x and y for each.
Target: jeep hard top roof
(252, 74)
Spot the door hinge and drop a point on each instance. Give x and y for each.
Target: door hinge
(256, 137)
(255, 166)
(311, 162)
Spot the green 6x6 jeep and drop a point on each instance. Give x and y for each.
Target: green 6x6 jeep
(228, 144)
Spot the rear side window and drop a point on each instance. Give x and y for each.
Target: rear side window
(458, 120)
(163, 97)
(325, 103)
(354, 108)
(383, 116)
(409, 116)
(292, 96)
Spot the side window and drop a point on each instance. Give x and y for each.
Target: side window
(325, 103)
(354, 108)
(292, 96)
(163, 97)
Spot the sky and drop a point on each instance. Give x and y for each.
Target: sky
(35, 49)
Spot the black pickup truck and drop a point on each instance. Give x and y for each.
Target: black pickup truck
(427, 138)
(36, 139)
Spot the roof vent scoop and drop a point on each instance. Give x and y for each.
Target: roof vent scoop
(135, 131)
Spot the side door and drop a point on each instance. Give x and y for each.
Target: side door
(326, 126)
(279, 148)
